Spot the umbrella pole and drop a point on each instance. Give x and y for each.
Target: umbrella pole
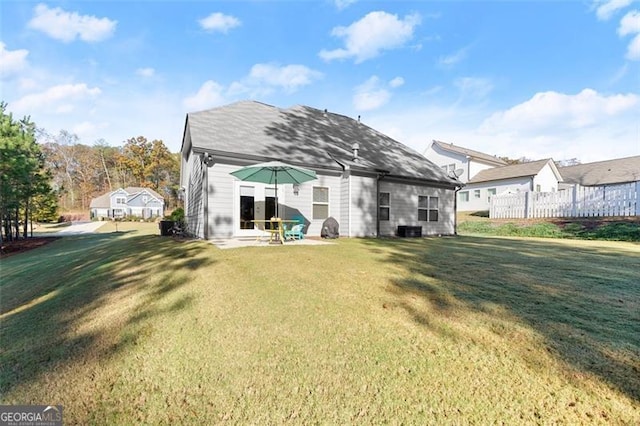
(277, 202)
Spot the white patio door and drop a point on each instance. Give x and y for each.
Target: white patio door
(253, 201)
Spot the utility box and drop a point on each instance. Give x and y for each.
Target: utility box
(166, 227)
(409, 231)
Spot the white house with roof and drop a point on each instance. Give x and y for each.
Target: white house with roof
(131, 201)
(533, 176)
(368, 182)
(467, 162)
(599, 189)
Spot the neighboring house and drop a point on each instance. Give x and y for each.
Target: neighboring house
(534, 176)
(601, 173)
(368, 182)
(466, 161)
(600, 189)
(132, 201)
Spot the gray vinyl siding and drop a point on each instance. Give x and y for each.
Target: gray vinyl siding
(403, 208)
(333, 183)
(363, 206)
(293, 206)
(344, 204)
(352, 202)
(152, 203)
(194, 197)
(221, 201)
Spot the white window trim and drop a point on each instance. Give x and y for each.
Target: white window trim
(385, 206)
(428, 208)
(321, 203)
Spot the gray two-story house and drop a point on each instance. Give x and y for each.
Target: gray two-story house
(131, 201)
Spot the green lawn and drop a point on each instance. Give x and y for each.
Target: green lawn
(131, 327)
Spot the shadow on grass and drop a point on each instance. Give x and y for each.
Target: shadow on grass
(55, 300)
(584, 301)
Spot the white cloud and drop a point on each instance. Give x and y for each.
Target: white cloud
(549, 111)
(83, 128)
(146, 72)
(60, 99)
(473, 86)
(375, 32)
(454, 58)
(606, 9)
(219, 22)
(396, 82)
(12, 61)
(630, 23)
(370, 95)
(67, 26)
(26, 84)
(288, 77)
(590, 126)
(343, 4)
(261, 81)
(633, 50)
(209, 95)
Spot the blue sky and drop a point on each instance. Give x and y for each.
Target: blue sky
(511, 78)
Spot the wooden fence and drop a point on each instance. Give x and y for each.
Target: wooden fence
(580, 201)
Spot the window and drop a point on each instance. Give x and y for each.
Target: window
(449, 168)
(464, 196)
(269, 205)
(320, 202)
(247, 207)
(538, 188)
(121, 200)
(476, 193)
(145, 199)
(384, 206)
(490, 193)
(427, 208)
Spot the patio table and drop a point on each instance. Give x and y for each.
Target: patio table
(276, 229)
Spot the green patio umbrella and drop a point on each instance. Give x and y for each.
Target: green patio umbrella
(273, 173)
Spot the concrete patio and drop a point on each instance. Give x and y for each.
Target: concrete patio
(230, 243)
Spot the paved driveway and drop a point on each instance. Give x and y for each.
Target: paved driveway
(79, 228)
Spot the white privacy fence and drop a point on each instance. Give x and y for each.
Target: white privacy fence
(580, 201)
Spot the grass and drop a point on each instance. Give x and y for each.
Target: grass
(131, 327)
(624, 229)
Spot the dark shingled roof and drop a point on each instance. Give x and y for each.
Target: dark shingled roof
(304, 136)
(620, 170)
(509, 172)
(477, 155)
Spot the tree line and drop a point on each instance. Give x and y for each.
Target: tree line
(43, 175)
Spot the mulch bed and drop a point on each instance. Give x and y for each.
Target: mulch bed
(10, 248)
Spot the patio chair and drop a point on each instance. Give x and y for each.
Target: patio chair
(296, 232)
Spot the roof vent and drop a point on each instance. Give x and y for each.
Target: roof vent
(355, 147)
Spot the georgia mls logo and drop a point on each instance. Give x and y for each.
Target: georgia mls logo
(54, 413)
(30, 415)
